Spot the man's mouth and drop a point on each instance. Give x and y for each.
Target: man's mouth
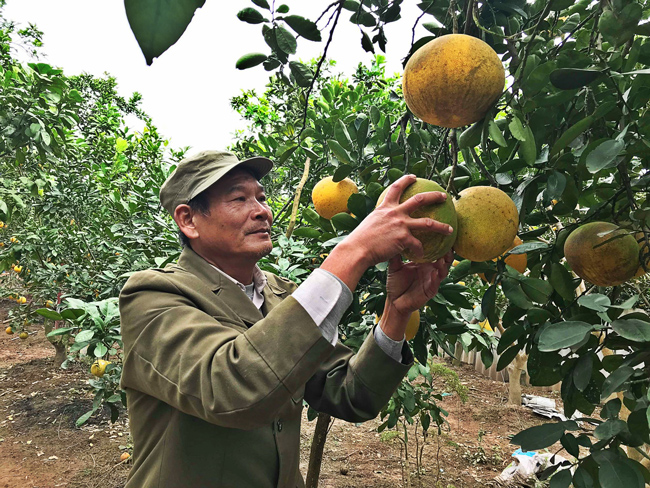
(261, 231)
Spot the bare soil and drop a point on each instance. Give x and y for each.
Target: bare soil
(40, 446)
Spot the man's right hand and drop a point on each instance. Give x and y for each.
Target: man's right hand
(385, 233)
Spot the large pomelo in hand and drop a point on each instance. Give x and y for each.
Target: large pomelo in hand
(331, 197)
(453, 80)
(487, 223)
(602, 253)
(435, 244)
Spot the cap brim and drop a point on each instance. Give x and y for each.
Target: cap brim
(260, 166)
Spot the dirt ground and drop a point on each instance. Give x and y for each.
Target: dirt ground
(41, 447)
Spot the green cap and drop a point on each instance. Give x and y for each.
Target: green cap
(200, 171)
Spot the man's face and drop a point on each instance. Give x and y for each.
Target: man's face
(239, 222)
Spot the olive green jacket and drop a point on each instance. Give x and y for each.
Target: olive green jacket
(215, 388)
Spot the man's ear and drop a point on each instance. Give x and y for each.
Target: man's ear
(183, 216)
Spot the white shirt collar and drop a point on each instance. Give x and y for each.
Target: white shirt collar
(259, 282)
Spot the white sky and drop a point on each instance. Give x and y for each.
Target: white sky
(187, 90)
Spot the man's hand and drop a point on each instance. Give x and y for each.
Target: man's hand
(408, 287)
(385, 233)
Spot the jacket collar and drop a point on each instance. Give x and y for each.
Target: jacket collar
(225, 288)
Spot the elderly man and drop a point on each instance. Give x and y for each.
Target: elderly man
(218, 355)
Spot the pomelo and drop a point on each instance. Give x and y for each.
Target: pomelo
(453, 80)
(435, 244)
(331, 197)
(487, 223)
(597, 258)
(516, 261)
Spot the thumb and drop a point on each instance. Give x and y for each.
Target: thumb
(395, 264)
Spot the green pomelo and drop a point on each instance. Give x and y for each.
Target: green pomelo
(435, 244)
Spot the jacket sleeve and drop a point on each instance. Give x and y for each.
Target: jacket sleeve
(205, 367)
(356, 387)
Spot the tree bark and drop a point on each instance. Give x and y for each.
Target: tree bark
(514, 379)
(317, 447)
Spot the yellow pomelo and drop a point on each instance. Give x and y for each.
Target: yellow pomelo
(453, 80)
(412, 326)
(487, 223)
(435, 244)
(516, 261)
(485, 325)
(331, 198)
(99, 367)
(596, 258)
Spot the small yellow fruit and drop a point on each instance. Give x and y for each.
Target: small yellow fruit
(72, 222)
(554, 201)
(22, 300)
(332, 198)
(125, 456)
(2, 224)
(23, 335)
(485, 325)
(516, 261)
(9, 330)
(18, 269)
(2, 244)
(49, 304)
(13, 239)
(456, 262)
(98, 367)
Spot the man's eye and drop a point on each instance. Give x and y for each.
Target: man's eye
(262, 198)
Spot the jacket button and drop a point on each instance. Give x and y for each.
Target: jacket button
(279, 424)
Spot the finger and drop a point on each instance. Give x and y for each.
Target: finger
(415, 246)
(429, 225)
(433, 282)
(395, 264)
(421, 199)
(395, 190)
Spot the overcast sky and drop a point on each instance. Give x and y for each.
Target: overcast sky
(187, 90)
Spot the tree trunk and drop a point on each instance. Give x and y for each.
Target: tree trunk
(317, 447)
(60, 344)
(514, 379)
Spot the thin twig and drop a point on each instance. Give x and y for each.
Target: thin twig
(318, 68)
(296, 201)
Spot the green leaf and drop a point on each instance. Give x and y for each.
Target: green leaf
(618, 27)
(609, 429)
(561, 479)
(517, 129)
(344, 221)
(604, 155)
(342, 172)
(555, 185)
(538, 290)
(251, 16)
(302, 73)
(595, 301)
(582, 371)
(305, 27)
(495, 133)
(250, 60)
(615, 380)
(570, 443)
(357, 205)
(562, 281)
(539, 437)
(632, 329)
(262, 4)
(507, 357)
(570, 134)
(100, 350)
(613, 472)
(471, 136)
(582, 478)
(49, 314)
(84, 418)
(283, 9)
(528, 148)
(285, 39)
(338, 150)
(306, 232)
(158, 24)
(510, 335)
(61, 331)
(527, 247)
(311, 216)
(562, 334)
(515, 294)
(572, 78)
(84, 336)
(366, 43)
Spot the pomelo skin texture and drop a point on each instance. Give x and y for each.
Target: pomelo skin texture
(435, 245)
(644, 251)
(453, 80)
(331, 198)
(612, 263)
(487, 223)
